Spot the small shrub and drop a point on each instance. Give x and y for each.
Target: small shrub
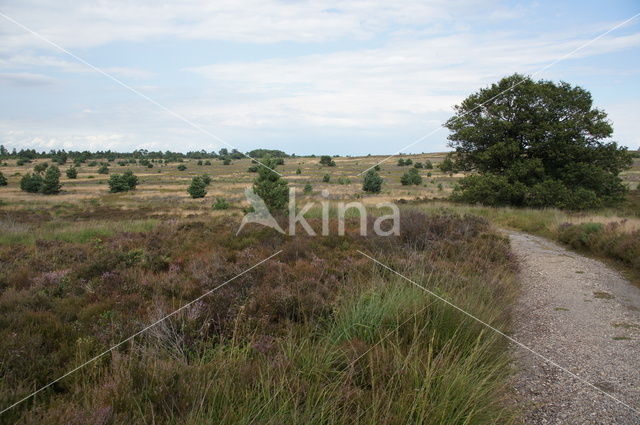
(122, 182)
(220, 204)
(3, 180)
(200, 162)
(51, 182)
(372, 182)
(104, 169)
(298, 171)
(401, 162)
(72, 172)
(307, 189)
(418, 165)
(31, 183)
(326, 178)
(207, 162)
(226, 162)
(181, 167)
(376, 167)
(326, 160)
(270, 186)
(428, 165)
(411, 177)
(92, 164)
(197, 188)
(206, 178)
(253, 169)
(40, 168)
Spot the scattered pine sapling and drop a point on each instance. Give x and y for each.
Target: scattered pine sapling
(51, 182)
(372, 182)
(3, 180)
(72, 172)
(307, 189)
(197, 188)
(271, 187)
(104, 169)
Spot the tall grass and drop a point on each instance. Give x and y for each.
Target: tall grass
(320, 335)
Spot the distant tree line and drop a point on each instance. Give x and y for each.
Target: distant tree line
(62, 156)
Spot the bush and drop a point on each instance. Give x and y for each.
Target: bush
(418, 165)
(489, 189)
(253, 169)
(181, 167)
(122, 182)
(411, 177)
(376, 167)
(92, 164)
(270, 186)
(206, 178)
(298, 171)
(31, 183)
(51, 182)
(326, 178)
(447, 165)
(104, 169)
(401, 162)
(372, 182)
(197, 188)
(3, 180)
(428, 165)
(307, 189)
(207, 162)
(220, 204)
(199, 162)
(72, 172)
(326, 160)
(40, 168)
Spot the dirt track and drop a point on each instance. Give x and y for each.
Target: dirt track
(585, 317)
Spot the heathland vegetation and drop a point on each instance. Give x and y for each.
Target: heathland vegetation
(96, 246)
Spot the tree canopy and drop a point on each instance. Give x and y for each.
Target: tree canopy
(536, 143)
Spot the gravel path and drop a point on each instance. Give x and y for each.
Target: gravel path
(585, 317)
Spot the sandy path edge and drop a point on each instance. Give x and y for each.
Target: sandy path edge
(584, 316)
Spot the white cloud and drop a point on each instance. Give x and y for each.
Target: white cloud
(395, 85)
(74, 24)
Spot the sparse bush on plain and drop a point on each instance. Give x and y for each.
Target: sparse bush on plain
(122, 182)
(72, 172)
(307, 189)
(326, 178)
(181, 167)
(372, 182)
(51, 181)
(104, 169)
(411, 177)
(31, 183)
(271, 187)
(206, 178)
(220, 204)
(197, 188)
(3, 180)
(327, 160)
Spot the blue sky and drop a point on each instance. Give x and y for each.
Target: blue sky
(340, 77)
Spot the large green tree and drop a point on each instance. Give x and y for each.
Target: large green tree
(536, 143)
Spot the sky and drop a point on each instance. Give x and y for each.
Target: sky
(347, 77)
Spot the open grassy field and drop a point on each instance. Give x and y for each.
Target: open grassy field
(317, 334)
